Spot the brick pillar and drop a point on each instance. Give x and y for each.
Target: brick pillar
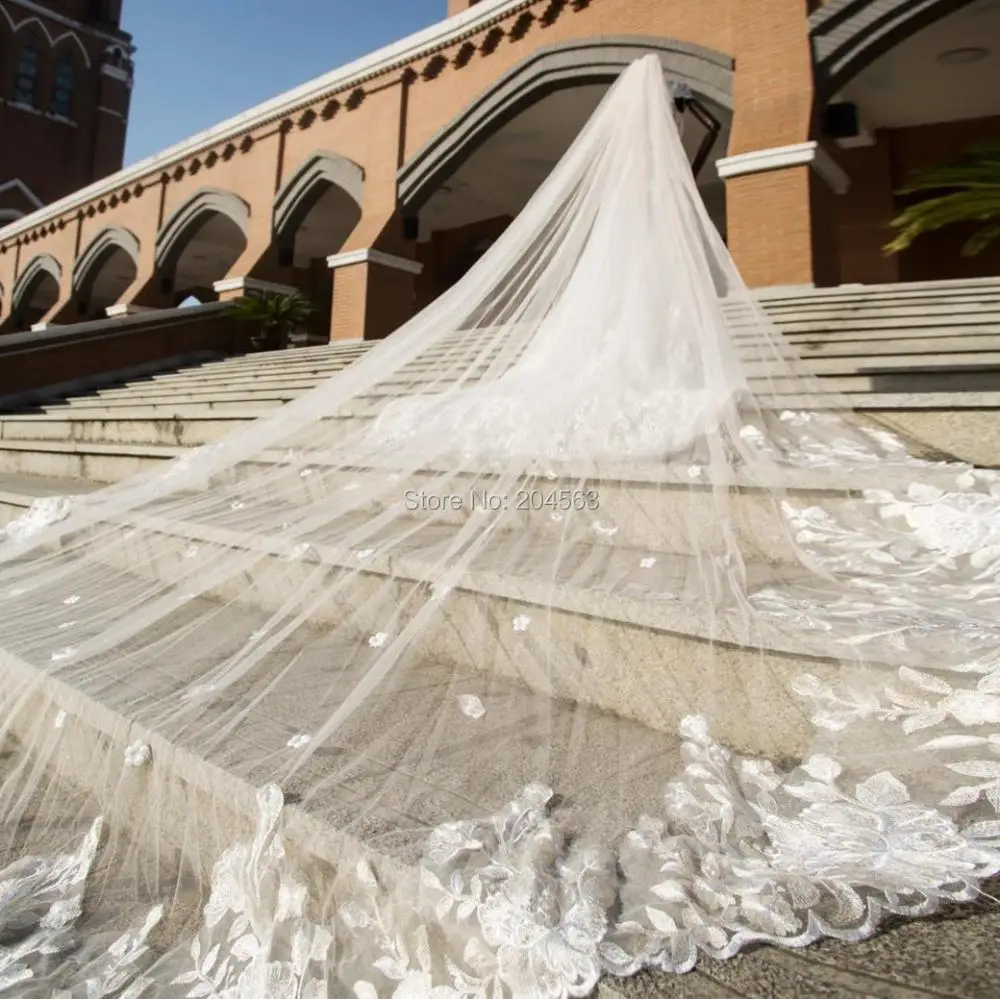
(779, 207)
(373, 294)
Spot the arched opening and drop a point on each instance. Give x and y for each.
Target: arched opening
(314, 213)
(104, 271)
(35, 292)
(465, 186)
(924, 101)
(200, 242)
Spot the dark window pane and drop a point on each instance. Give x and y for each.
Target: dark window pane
(62, 91)
(26, 76)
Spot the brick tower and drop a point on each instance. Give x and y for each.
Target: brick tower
(65, 84)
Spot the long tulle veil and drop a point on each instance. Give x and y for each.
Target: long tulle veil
(574, 629)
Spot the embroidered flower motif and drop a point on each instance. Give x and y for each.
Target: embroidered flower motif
(878, 838)
(471, 705)
(138, 754)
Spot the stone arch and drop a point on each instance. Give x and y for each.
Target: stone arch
(185, 222)
(553, 67)
(36, 270)
(91, 266)
(36, 291)
(106, 242)
(301, 191)
(848, 36)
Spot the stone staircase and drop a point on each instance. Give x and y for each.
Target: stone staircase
(70, 444)
(922, 359)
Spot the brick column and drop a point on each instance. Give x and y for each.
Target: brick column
(374, 293)
(780, 181)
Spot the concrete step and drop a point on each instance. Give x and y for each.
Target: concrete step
(87, 462)
(245, 376)
(200, 791)
(904, 304)
(802, 323)
(109, 441)
(156, 391)
(330, 357)
(891, 291)
(369, 799)
(641, 505)
(652, 611)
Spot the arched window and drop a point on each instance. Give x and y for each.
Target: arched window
(62, 88)
(26, 76)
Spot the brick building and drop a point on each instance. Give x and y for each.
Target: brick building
(374, 187)
(65, 83)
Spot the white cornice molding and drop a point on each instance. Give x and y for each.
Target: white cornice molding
(117, 73)
(19, 185)
(810, 154)
(252, 284)
(37, 8)
(393, 56)
(374, 257)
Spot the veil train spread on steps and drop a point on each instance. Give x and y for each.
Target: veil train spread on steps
(574, 629)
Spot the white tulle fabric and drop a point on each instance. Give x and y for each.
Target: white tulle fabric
(293, 717)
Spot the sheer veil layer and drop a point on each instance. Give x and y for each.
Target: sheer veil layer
(574, 629)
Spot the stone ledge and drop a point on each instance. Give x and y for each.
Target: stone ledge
(810, 154)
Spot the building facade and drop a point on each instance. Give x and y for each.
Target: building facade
(65, 84)
(374, 188)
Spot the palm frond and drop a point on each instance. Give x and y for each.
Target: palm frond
(973, 186)
(275, 315)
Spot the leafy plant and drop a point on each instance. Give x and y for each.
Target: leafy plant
(968, 190)
(276, 317)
